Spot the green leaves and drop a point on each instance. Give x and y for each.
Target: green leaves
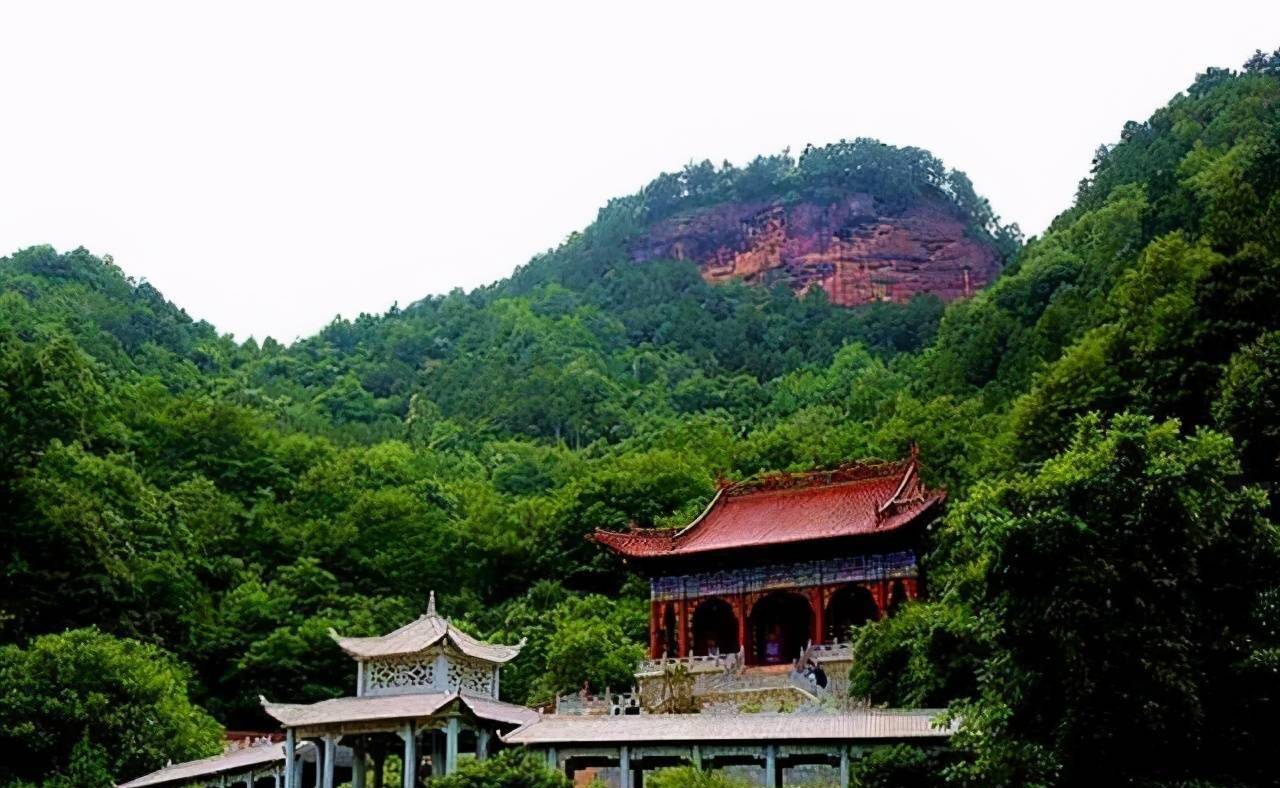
(1121, 580)
(508, 769)
(83, 708)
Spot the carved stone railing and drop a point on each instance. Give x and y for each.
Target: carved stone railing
(699, 664)
(608, 704)
(830, 652)
(822, 652)
(751, 680)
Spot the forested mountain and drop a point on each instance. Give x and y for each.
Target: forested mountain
(1104, 602)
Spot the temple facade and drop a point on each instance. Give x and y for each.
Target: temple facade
(781, 569)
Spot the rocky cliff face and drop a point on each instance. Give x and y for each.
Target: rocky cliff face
(854, 251)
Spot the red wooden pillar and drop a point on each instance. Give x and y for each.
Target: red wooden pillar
(879, 591)
(740, 612)
(815, 605)
(655, 629)
(912, 586)
(682, 627)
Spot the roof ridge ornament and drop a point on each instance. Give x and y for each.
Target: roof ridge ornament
(431, 604)
(910, 480)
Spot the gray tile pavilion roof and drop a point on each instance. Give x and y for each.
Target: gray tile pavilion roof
(241, 760)
(393, 707)
(421, 634)
(862, 724)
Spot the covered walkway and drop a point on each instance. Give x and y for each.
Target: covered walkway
(632, 745)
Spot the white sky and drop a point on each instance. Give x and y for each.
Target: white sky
(268, 165)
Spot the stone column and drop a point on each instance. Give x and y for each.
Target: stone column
(451, 745)
(695, 757)
(844, 767)
(358, 765)
(482, 744)
(410, 767)
(624, 767)
(437, 754)
(318, 746)
(771, 766)
(290, 759)
(330, 759)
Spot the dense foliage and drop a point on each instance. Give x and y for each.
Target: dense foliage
(690, 777)
(1103, 603)
(81, 707)
(508, 769)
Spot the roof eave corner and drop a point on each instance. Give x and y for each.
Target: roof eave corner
(909, 472)
(270, 708)
(605, 539)
(505, 737)
(342, 642)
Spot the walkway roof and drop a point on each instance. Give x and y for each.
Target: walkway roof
(235, 761)
(862, 724)
(393, 707)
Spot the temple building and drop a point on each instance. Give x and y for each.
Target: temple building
(766, 584)
(781, 567)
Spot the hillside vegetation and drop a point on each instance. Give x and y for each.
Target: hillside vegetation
(1104, 603)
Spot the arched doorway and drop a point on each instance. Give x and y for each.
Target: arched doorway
(851, 606)
(779, 628)
(715, 628)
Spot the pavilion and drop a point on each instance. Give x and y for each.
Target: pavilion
(426, 692)
(424, 688)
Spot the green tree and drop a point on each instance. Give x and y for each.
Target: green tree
(508, 769)
(928, 654)
(691, 777)
(594, 640)
(1123, 581)
(1247, 406)
(901, 766)
(86, 709)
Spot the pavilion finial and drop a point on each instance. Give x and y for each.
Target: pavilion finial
(431, 604)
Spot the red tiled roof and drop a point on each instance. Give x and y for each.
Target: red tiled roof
(789, 508)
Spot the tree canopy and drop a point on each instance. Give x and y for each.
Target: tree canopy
(1103, 602)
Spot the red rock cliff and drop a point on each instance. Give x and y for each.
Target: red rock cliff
(850, 249)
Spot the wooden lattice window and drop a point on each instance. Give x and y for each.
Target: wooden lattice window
(472, 678)
(401, 672)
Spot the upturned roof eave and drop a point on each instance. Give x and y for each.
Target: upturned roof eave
(676, 551)
(444, 631)
(668, 545)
